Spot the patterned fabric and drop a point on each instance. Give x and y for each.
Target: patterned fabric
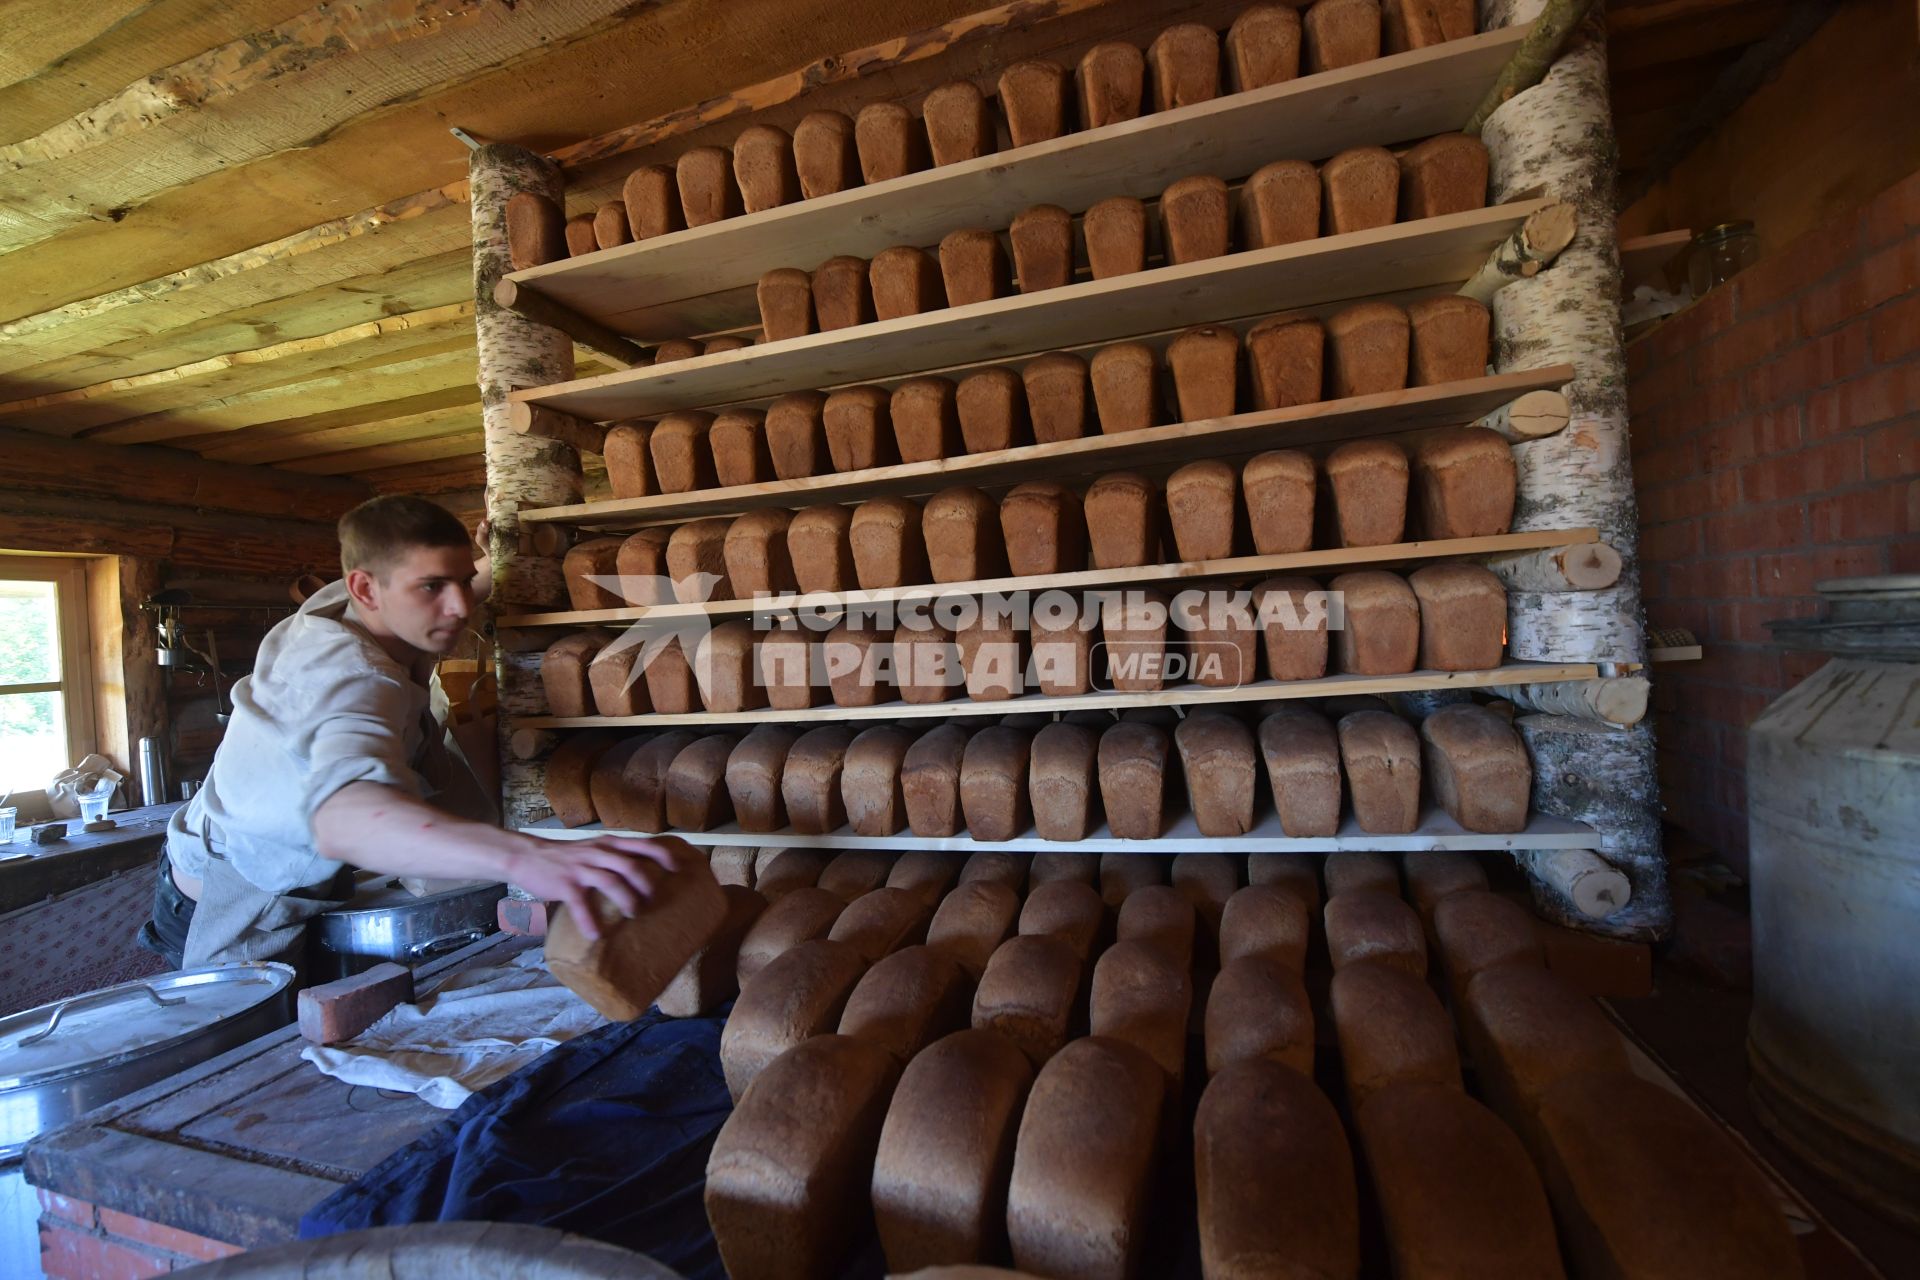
(78, 942)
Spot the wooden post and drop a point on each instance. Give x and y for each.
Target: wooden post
(523, 470)
(1556, 137)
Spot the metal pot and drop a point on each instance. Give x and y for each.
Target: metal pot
(70, 1056)
(387, 922)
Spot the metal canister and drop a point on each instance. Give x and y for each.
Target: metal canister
(1833, 814)
(153, 772)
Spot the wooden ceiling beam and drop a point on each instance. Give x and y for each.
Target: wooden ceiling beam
(256, 446)
(465, 444)
(1694, 37)
(449, 475)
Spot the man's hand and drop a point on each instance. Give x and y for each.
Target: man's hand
(623, 869)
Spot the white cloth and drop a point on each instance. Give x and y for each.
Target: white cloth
(481, 1026)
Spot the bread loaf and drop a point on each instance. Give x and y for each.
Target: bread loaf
(785, 656)
(1526, 1029)
(794, 996)
(1644, 1184)
(1367, 482)
(973, 266)
(536, 230)
(959, 126)
(779, 872)
(1477, 768)
(621, 972)
(820, 546)
(1382, 635)
(1263, 47)
(725, 669)
(1062, 657)
(905, 282)
(1069, 910)
(1217, 758)
(1287, 872)
(1133, 779)
(824, 155)
(930, 781)
(606, 777)
(1115, 230)
(993, 783)
(926, 425)
(697, 560)
(859, 436)
(739, 441)
(708, 191)
(995, 867)
(1284, 358)
(992, 656)
(810, 783)
(926, 664)
(1279, 486)
(1077, 1203)
(1268, 921)
(1417, 24)
(972, 921)
(725, 342)
(785, 295)
(587, 567)
(946, 1152)
(1450, 339)
(1340, 33)
(1150, 911)
(697, 798)
(564, 672)
(641, 564)
(1185, 60)
(1302, 756)
(1063, 782)
(1027, 994)
(926, 873)
(1124, 390)
(842, 294)
(1360, 190)
(652, 199)
(853, 655)
(670, 683)
(1058, 864)
(580, 237)
(1208, 881)
(881, 921)
(1043, 529)
(1195, 217)
(1033, 97)
(1203, 507)
(1258, 1009)
(1465, 483)
(1432, 874)
(1042, 239)
(1391, 1027)
(797, 912)
(1124, 519)
(786, 1187)
(1366, 924)
(1274, 1177)
(797, 435)
(677, 349)
(569, 785)
(1292, 613)
(890, 141)
(889, 547)
(756, 554)
(1475, 930)
(628, 454)
(733, 865)
(1457, 1193)
(619, 689)
(870, 780)
(1463, 617)
(908, 1000)
(1445, 174)
(1353, 870)
(992, 408)
(710, 978)
(1280, 203)
(1111, 79)
(637, 799)
(753, 777)
(1133, 626)
(763, 166)
(1056, 390)
(854, 873)
(1142, 998)
(1369, 342)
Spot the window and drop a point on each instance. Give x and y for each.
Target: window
(46, 694)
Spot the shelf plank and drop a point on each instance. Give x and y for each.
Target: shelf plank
(1413, 409)
(1436, 831)
(1406, 255)
(1185, 695)
(643, 289)
(1087, 579)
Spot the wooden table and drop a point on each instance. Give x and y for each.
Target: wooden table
(33, 873)
(227, 1155)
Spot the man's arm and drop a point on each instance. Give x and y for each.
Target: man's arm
(382, 828)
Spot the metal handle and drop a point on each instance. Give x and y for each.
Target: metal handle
(433, 948)
(94, 997)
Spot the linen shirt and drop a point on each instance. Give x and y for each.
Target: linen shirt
(325, 706)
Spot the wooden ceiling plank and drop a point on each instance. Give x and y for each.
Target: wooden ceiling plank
(252, 447)
(457, 397)
(57, 53)
(385, 455)
(1694, 37)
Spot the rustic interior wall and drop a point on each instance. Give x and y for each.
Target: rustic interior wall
(1776, 440)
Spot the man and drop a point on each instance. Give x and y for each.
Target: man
(333, 760)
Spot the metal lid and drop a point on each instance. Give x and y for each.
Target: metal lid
(115, 1024)
(1876, 618)
(385, 893)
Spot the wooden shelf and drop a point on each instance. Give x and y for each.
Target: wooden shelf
(1436, 831)
(1089, 579)
(1185, 695)
(1406, 255)
(701, 280)
(1416, 408)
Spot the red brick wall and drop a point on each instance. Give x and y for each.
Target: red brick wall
(1776, 442)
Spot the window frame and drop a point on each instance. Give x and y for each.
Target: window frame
(76, 686)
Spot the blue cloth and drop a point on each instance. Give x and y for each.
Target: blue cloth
(606, 1136)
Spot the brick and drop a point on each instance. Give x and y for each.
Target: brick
(1693, 326)
(337, 1011)
(66, 1254)
(66, 1208)
(1804, 473)
(1753, 529)
(1813, 364)
(1894, 214)
(1756, 435)
(1605, 968)
(1785, 575)
(1884, 274)
(1724, 579)
(171, 1239)
(1896, 330)
(1893, 453)
(1876, 512)
(1816, 254)
(1664, 543)
(1740, 666)
(1879, 396)
(1747, 343)
(1669, 462)
(518, 916)
(1856, 560)
(1904, 557)
(1661, 385)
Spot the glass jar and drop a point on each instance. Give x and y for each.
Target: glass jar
(1720, 254)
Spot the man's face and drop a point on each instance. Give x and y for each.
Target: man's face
(425, 598)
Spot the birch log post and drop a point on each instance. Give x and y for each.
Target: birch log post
(1557, 137)
(1583, 566)
(1528, 417)
(523, 470)
(1618, 701)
